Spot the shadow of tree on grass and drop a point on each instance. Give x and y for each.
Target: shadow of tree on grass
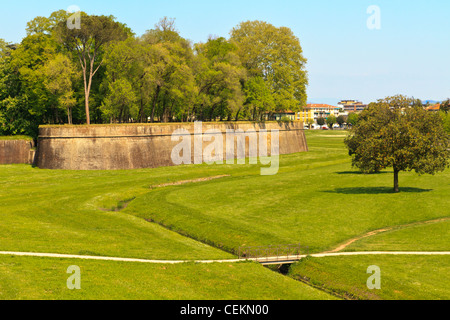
(362, 173)
(376, 190)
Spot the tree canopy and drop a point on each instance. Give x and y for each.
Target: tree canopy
(274, 54)
(396, 133)
(103, 73)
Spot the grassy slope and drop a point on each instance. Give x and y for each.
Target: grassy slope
(402, 277)
(41, 278)
(58, 211)
(316, 199)
(430, 237)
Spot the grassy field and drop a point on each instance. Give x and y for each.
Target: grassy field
(402, 277)
(427, 237)
(43, 278)
(316, 199)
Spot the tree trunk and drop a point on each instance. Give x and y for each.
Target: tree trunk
(69, 115)
(155, 98)
(396, 185)
(141, 111)
(86, 94)
(237, 115)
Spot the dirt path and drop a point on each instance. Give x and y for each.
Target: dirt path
(296, 258)
(375, 232)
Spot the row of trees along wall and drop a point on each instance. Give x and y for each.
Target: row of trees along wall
(104, 73)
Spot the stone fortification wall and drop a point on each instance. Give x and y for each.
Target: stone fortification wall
(16, 152)
(113, 147)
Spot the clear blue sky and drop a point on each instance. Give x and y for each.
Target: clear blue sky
(346, 60)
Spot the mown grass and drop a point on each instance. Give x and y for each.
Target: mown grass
(317, 199)
(427, 237)
(16, 138)
(402, 277)
(44, 278)
(59, 212)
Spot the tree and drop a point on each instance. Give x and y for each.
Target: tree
(352, 119)
(26, 100)
(219, 77)
(445, 121)
(445, 106)
(120, 101)
(310, 122)
(274, 54)
(394, 133)
(4, 50)
(88, 43)
(321, 121)
(168, 62)
(340, 120)
(59, 75)
(46, 25)
(331, 120)
(259, 99)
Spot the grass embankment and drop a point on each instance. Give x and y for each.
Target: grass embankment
(402, 277)
(316, 199)
(432, 236)
(58, 212)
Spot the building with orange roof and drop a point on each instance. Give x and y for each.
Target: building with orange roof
(434, 108)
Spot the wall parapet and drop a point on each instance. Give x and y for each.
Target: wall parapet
(121, 147)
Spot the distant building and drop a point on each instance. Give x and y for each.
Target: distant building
(434, 107)
(352, 105)
(315, 111)
(279, 115)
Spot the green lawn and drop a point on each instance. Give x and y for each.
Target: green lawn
(402, 277)
(428, 237)
(43, 278)
(316, 199)
(58, 212)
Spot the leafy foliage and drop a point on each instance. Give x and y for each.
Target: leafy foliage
(331, 120)
(395, 133)
(101, 72)
(275, 54)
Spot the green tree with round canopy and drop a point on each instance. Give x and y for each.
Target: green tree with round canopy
(395, 133)
(340, 120)
(331, 120)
